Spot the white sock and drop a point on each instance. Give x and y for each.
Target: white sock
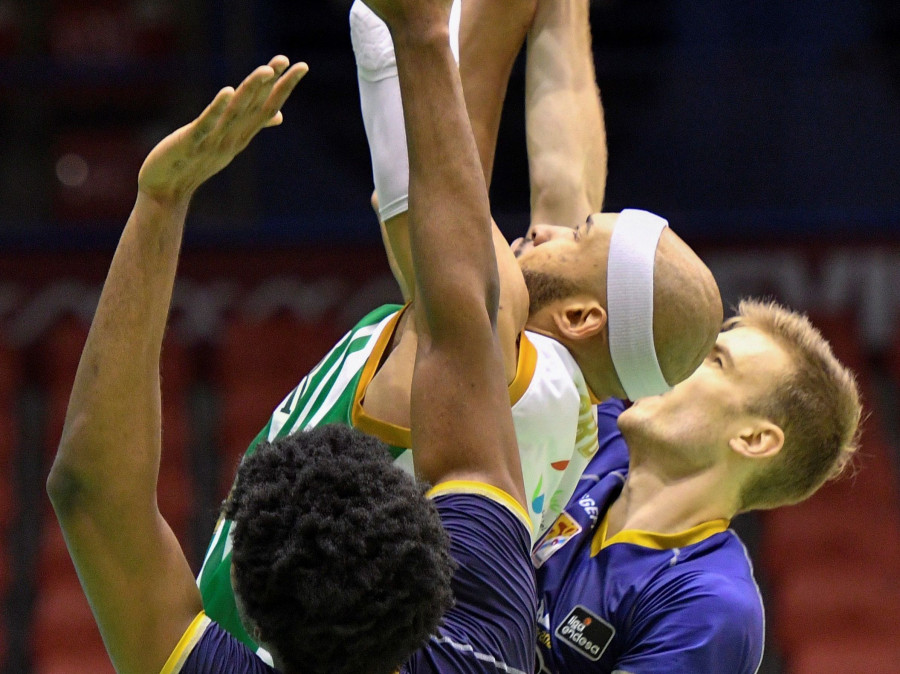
(382, 108)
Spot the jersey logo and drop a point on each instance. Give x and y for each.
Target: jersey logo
(585, 632)
(563, 530)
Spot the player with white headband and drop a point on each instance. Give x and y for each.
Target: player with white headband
(629, 290)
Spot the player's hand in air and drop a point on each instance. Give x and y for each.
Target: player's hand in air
(189, 156)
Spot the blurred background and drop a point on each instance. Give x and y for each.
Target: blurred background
(768, 133)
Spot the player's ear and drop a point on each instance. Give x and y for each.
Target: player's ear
(580, 317)
(762, 439)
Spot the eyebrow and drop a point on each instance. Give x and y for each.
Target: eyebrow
(725, 353)
(587, 226)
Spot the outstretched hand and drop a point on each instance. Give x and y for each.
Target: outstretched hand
(189, 156)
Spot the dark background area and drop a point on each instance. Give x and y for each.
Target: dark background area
(736, 120)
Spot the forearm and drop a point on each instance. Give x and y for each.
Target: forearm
(491, 37)
(450, 227)
(566, 134)
(395, 236)
(114, 407)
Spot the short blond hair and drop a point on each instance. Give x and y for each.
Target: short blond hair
(816, 404)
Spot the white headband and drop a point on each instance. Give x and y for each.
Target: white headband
(629, 302)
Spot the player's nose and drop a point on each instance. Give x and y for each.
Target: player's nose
(544, 233)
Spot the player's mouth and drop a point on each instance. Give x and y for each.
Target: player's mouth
(521, 245)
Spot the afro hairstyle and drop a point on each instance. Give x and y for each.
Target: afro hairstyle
(339, 560)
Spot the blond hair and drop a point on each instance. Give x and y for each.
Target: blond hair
(816, 404)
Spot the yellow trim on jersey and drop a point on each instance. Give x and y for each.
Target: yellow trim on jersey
(186, 644)
(482, 489)
(399, 436)
(392, 434)
(653, 540)
(525, 366)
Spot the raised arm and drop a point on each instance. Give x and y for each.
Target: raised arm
(563, 116)
(490, 38)
(386, 131)
(103, 480)
(461, 420)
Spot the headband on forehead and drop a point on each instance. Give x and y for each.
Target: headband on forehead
(629, 302)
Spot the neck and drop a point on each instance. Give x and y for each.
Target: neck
(650, 502)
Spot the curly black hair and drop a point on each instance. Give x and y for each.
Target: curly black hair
(338, 558)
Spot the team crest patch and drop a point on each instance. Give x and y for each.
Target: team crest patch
(563, 530)
(585, 632)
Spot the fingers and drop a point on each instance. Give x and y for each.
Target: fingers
(208, 119)
(258, 100)
(250, 95)
(281, 91)
(279, 64)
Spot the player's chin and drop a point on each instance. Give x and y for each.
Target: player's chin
(639, 409)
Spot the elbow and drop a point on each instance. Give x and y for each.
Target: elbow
(492, 297)
(65, 489)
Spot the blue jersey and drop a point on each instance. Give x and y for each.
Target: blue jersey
(641, 602)
(489, 630)
(206, 648)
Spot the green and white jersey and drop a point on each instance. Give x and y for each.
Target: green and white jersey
(554, 417)
(326, 395)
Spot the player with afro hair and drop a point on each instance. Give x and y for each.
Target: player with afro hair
(340, 562)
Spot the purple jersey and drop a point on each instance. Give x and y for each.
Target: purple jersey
(641, 602)
(489, 630)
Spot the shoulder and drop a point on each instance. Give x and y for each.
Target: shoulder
(710, 594)
(479, 502)
(707, 610)
(715, 574)
(206, 648)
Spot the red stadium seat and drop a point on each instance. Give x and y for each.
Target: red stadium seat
(65, 638)
(833, 600)
(10, 378)
(110, 30)
(95, 172)
(846, 652)
(63, 627)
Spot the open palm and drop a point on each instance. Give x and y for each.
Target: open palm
(189, 156)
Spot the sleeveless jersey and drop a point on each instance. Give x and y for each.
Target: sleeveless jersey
(638, 601)
(488, 630)
(555, 421)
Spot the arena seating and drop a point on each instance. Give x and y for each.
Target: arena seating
(832, 563)
(10, 378)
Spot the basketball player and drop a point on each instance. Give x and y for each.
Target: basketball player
(361, 561)
(642, 573)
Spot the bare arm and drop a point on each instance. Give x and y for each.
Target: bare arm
(564, 116)
(461, 420)
(384, 118)
(491, 36)
(103, 481)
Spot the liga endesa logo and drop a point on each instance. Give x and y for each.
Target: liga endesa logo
(585, 632)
